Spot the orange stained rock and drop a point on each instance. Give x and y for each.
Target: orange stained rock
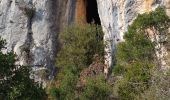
(148, 5)
(80, 11)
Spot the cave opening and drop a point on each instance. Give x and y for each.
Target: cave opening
(92, 12)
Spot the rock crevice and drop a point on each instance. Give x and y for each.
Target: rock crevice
(116, 15)
(35, 39)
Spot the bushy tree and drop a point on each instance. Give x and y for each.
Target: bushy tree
(79, 43)
(159, 87)
(15, 82)
(67, 88)
(97, 89)
(136, 56)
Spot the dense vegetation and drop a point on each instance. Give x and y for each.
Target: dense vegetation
(137, 74)
(136, 61)
(136, 57)
(79, 45)
(15, 82)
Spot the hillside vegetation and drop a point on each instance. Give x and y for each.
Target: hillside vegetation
(136, 75)
(136, 62)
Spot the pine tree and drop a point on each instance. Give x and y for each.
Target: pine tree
(15, 82)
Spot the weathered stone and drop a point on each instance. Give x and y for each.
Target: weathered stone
(116, 15)
(34, 39)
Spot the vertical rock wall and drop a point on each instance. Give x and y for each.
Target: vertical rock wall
(34, 39)
(80, 11)
(116, 15)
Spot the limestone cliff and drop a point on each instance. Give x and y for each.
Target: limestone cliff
(34, 37)
(116, 15)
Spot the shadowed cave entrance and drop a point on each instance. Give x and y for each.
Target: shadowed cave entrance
(92, 15)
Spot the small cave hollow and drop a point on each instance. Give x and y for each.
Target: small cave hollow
(92, 15)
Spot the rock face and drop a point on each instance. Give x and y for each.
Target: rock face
(34, 39)
(80, 11)
(31, 27)
(116, 15)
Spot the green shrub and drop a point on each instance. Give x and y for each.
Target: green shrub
(97, 89)
(67, 87)
(159, 87)
(136, 56)
(79, 44)
(15, 82)
(135, 80)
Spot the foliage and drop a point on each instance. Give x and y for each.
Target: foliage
(79, 44)
(135, 59)
(15, 82)
(159, 89)
(157, 19)
(136, 56)
(67, 87)
(97, 89)
(135, 80)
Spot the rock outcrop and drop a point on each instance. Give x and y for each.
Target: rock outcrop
(116, 15)
(31, 27)
(34, 39)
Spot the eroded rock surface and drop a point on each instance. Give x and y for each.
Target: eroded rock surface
(116, 15)
(34, 39)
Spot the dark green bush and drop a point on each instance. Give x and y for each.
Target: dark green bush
(136, 56)
(15, 82)
(159, 87)
(97, 89)
(67, 87)
(79, 44)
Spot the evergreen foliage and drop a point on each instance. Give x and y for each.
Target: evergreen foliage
(159, 89)
(79, 44)
(136, 56)
(97, 89)
(15, 82)
(67, 87)
(136, 60)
